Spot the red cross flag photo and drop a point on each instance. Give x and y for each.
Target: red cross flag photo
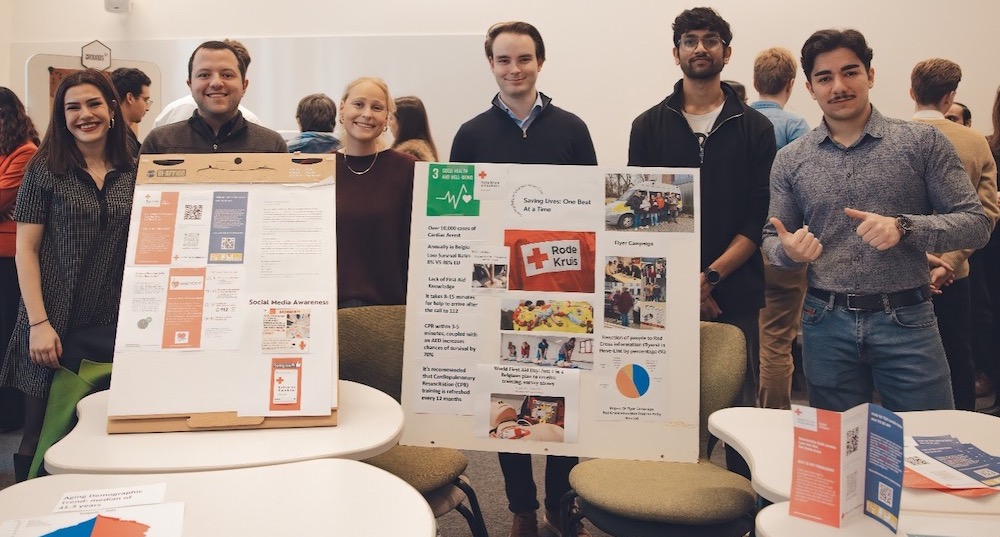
(551, 260)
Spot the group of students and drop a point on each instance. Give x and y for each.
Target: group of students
(826, 194)
(650, 208)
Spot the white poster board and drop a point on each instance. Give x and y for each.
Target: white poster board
(229, 296)
(516, 339)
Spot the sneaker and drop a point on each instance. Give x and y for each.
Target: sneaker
(553, 522)
(524, 525)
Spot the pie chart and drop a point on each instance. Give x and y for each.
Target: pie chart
(632, 381)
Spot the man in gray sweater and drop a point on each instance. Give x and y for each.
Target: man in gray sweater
(217, 78)
(861, 198)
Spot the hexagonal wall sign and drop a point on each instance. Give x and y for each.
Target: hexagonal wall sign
(95, 55)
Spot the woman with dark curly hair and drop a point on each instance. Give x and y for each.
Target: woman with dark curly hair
(18, 142)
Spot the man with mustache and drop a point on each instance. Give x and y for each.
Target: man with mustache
(705, 124)
(217, 78)
(862, 198)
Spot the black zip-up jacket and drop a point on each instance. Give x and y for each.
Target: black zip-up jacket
(735, 161)
(554, 137)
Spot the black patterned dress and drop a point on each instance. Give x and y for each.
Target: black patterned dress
(82, 259)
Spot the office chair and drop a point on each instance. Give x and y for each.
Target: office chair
(371, 353)
(649, 498)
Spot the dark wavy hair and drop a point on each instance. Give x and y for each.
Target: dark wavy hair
(15, 125)
(59, 146)
(411, 116)
(701, 18)
(829, 40)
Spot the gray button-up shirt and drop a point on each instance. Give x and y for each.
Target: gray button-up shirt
(895, 167)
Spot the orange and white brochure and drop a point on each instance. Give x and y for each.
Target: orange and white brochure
(286, 384)
(184, 308)
(157, 222)
(846, 462)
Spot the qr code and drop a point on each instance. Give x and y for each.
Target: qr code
(914, 460)
(193, 212)
(986, 472)
(191, 240)
(852, 440)
(885, 494)
(228, 243)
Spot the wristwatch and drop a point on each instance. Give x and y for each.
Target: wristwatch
(712, 276)
(904, 225)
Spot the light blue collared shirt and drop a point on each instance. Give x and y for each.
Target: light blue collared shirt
(526, 122)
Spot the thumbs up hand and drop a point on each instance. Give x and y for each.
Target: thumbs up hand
(878, 231)
(802, 246)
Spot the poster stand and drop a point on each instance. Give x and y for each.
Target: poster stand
(218, 169)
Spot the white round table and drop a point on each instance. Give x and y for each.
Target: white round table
(369, 422)
(774, 521)
(317, 497)
(763, 436)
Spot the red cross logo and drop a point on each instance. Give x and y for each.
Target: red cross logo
(537, 258)
(798, 412)
(281, 380)
(482, 174)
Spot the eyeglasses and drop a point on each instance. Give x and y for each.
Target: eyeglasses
(710, 42)
(149, 102)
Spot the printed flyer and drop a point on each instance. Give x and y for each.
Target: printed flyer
(845, 463)
(553, 304)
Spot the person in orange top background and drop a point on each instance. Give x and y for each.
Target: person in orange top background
(18, 143)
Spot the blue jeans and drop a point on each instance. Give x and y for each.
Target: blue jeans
(898, 352)
(625, 317)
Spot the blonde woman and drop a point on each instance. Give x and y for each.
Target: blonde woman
(374, 192)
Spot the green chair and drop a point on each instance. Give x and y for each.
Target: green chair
(371, 353)
(648, 498)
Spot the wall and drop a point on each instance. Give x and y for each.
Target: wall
(607, 65)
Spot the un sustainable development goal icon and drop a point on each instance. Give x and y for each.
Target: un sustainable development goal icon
(449, 190)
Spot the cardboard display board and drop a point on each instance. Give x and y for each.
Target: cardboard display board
(228, 310)
(554, 309)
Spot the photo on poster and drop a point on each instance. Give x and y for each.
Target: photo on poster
(489, 276)
(649, 202)
(561, 351)
(286, 329)
(635, 292)
(542, 260)
(574, 316)
(532, 418)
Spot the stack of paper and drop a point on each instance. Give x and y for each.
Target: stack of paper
(945, 463)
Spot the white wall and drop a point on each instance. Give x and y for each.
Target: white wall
(606, 62)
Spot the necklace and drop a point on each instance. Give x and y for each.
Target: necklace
(366, 170)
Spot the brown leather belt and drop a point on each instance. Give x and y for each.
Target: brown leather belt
(908, 297)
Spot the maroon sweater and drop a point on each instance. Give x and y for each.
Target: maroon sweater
(373, 228)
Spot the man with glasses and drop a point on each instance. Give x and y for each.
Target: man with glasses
(705, 124)
(132, 86)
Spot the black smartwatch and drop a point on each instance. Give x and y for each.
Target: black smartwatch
(712, 276)
(904, 225)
